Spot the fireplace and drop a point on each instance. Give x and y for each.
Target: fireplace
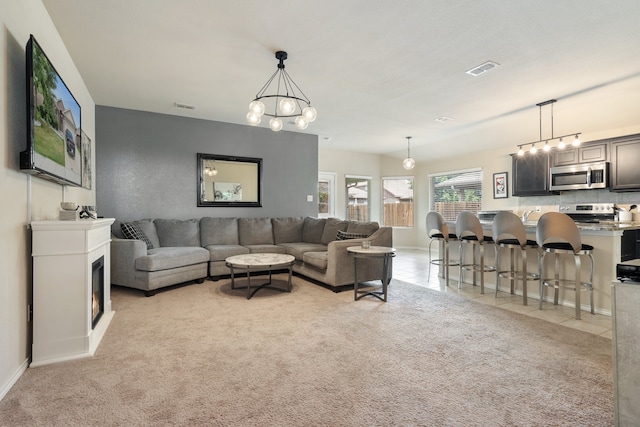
(71, 288)
(97, 293)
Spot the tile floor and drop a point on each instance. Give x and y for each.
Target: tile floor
(412, 266)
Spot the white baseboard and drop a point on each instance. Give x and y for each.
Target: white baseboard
(414, 248)
(14, 379)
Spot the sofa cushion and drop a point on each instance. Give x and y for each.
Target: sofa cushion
(343, 235)
(300, 248)
(178, 233)
(266, 249)
(312, 230)
(219, 231)
(171, 257)
(367, 228)
(255, 231)
(132, 231)
(287, 230)
(316, 259)
(222, 252)
(331, 228)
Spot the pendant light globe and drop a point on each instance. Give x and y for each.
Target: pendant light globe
(275, 124)
(309, 113)
(253, 119)
(257, 107)
(408, 163)
(287, 106)
(301, 122)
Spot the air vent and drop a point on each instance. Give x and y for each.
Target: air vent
(185, 106)
(482, 68)
(443, 119)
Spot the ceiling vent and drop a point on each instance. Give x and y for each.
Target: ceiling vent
(443, 119)
(185, 106)
(482, 68)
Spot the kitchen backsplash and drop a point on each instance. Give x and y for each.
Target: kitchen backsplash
(550, 203)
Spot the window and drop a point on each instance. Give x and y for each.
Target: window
(397, 199)
(456, 191)
(326, 194)
(358, 191)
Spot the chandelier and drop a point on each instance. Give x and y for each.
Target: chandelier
(408, 163)
(286, 101)
(547, 146)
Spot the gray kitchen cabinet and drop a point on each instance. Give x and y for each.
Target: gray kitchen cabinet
(530, 174)
(625, 163)
(587, 153)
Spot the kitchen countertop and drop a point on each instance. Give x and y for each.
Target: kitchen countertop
(601, 226)
(604, 227)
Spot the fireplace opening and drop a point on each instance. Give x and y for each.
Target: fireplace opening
(97, 291)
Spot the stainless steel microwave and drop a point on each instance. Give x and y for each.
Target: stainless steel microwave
(579, 177)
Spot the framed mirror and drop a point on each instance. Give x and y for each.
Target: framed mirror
(229, 181)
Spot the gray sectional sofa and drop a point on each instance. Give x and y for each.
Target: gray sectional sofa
(177, 251)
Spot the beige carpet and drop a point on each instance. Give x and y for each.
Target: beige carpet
(204, 355)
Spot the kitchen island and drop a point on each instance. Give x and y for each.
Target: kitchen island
(606, 239)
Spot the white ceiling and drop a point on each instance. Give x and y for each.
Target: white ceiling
(377, 71)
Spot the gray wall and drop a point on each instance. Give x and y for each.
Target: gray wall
(146, 165)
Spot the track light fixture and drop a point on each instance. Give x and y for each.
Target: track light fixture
(210, 170)
(284, 102)
(547, 146)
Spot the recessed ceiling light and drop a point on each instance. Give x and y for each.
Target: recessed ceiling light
(482, 68)
(443, 119)
(185, 106)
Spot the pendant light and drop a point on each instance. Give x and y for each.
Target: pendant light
(408, 163)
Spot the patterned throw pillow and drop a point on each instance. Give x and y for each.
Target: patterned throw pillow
(343, 235)
(132, 231)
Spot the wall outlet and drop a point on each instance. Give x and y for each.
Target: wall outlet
(309, 198)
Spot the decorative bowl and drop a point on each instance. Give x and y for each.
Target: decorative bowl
(69, 206)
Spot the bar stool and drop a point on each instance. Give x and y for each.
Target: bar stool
(437, 230)
(509, 233)
(557, 234)
(469, 232)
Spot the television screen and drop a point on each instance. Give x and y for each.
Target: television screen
(54, 148)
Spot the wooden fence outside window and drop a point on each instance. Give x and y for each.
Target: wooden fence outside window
(450, 210)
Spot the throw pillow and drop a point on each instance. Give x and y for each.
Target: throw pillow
(132, 231)
(343, 235)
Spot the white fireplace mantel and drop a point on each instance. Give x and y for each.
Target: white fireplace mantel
(63, 254)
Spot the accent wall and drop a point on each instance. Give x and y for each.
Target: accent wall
(148, 169)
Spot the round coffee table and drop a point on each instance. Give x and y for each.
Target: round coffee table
(259, 262)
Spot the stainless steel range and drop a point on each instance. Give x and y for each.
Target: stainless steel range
(588, 212)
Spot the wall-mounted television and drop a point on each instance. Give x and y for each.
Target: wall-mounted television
(53, 123)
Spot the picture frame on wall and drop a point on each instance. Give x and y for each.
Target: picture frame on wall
(500, 185)
(86, 160)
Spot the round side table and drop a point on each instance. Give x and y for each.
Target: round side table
(384, 252)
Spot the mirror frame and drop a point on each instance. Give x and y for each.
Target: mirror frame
(231, 203)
